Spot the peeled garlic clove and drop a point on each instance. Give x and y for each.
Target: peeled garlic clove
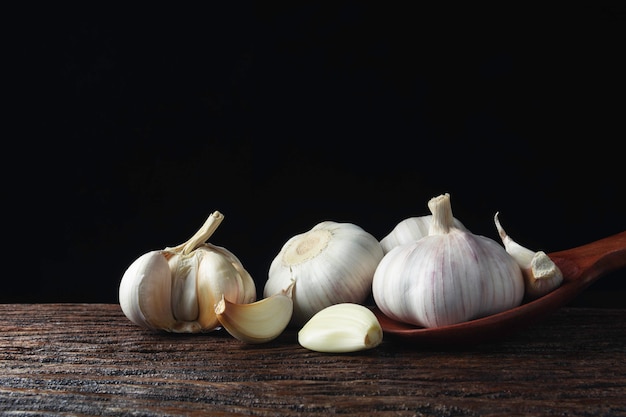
(331, 263)
(257, 322)
(447, 277)
(541, 274)
(410, 230)
(344, 327)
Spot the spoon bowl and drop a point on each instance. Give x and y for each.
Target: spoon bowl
(581, 266)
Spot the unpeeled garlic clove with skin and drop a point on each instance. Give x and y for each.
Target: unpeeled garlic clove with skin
(448, 277)
(541, 274)
(341, 328)
(176, 289)
(145, 292)
(410, 230)
(331, 263)
(258, 322)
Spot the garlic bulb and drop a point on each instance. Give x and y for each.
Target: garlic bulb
(340, 328)
(410, 230)
(447, 277)
(176, 289)
(541, 274)
(331, 263)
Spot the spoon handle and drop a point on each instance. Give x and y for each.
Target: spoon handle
(587, 263)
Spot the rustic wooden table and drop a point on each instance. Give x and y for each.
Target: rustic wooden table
(88, 359)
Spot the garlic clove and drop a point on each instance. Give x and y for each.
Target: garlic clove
(145, 292)
(247, 288)
(340, 328)
(257, 322)
(541, 274)
(216, 278)
(184, 289)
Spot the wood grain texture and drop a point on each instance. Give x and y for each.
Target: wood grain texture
(88, 359)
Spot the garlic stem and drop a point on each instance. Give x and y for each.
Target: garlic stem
(410, 230)
(202, 235)
(441, 210)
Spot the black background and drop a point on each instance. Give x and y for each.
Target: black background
(133, 125)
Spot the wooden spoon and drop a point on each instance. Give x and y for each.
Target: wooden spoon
(580, 266)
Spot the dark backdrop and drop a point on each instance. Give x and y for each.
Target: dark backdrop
(134, 125)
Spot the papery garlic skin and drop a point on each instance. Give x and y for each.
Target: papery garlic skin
(341, 328)
(448, 277)
(410, 230)
(331, 263)
(176, 289)
(541, 274)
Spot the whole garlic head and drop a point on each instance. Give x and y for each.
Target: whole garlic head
(176, 289)
(447, 277)
(332, 263)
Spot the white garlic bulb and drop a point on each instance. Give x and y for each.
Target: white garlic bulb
(447, 277)
(176, 289)
(331, 263)
(541, 274)
(410, 230)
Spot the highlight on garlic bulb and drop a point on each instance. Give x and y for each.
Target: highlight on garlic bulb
(541, 274)
(331, 263)
(447, 277)
(176, 289)
(410, 230)
(340, 328)
(258, 322)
